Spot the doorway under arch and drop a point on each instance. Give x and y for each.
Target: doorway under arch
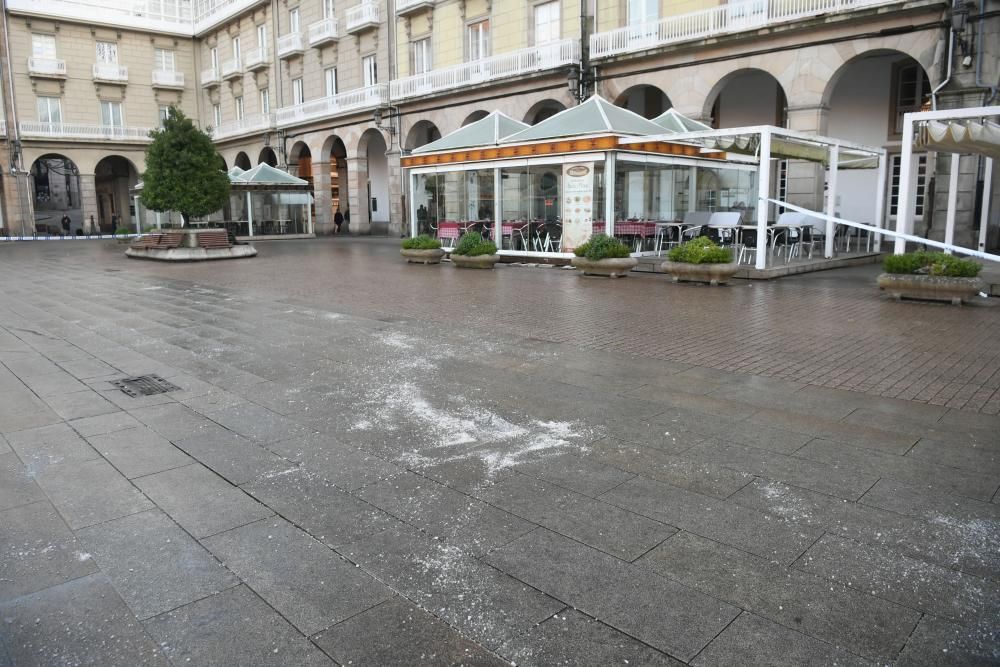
(474, 116)
(747, 97)
(645, 100)
(268, 157)
(373, 148)
(55, 190)
(542, 111)
(114, 176)
(243, 161)
(422, 133)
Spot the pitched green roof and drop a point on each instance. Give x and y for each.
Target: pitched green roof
(486, 131)
(595, 116)
(266, 174)
(674, 121)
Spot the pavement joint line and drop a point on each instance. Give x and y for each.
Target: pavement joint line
(719, 633)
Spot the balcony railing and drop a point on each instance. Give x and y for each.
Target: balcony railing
(255, 59)
(210, 77)
(515, 63)
(110, 72)
(88, 132)
(47, 67)
(167, 79)
(258, 122)
(324, 32)
(325, 107)
(290, 45)
(363, 16)
(407, 7)
(232, 69)
(730, 18)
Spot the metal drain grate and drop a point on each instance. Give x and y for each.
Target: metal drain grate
(144, 385)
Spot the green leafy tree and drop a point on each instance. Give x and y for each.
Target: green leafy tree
(182, 170)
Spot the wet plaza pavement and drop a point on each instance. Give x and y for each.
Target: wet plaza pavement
(370, 463)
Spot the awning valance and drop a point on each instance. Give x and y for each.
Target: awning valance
(959, 136)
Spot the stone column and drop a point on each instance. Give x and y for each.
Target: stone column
(398, 218)
(88, 199)
(323, 219)
(357, 173)
(805, 180)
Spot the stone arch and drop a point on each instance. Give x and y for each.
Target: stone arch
(479, 114)
(747, 96)
(267, 157)
(646, 100)
(114, 177)
(54, 183)
(242, 161)
(334, 151)
(372, 181)
(423, 132)
(222, 162)
(542, 110)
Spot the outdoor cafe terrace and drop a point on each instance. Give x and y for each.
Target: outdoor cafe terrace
(554, 184)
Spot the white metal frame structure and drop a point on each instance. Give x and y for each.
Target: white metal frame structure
(766, 136)
(908, 169)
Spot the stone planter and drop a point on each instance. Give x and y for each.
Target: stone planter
(422, 256)
(474, 261)
(613, 267)
(930, 288)
(714, 274)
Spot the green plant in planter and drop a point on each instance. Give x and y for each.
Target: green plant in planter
(422, 242)
(700, 250)
(931, 264)
(602, 246)
(472, 244)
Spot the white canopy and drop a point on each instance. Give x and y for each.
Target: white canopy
(971, 135)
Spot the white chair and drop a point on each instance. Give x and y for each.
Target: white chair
(790, 235)
(726, 223)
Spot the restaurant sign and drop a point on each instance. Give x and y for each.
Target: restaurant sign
(577, 204)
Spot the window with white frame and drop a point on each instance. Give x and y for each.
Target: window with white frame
(298, 94)
(164, 114)
(107, 52)
(369, 70)
(328, 9)
(643, 12)
(547, 26)
(920, 185)
(163, 60)
(49, 110)
(909, 91)
(265, 101)
(216, 115)
(262, 38)
(238, 104)
(237, 50)
(293, 19)
(213, 58)
(111, 114)
(330, 81)
(421, 56)
(478, 40)
(43, 46)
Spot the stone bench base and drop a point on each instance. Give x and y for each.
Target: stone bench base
(192, 254)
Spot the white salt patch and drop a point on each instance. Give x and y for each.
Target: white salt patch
(395, 339)
(81, 556)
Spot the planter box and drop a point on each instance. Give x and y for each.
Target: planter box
(422, 256)
(930, 288)
(475, 261)
(614, 267)
(713, 274)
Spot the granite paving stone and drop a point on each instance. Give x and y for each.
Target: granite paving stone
(625, 596)
(154, 565)
(86, 403)
(138, 451)
(573, 638)
(90, 492)
(962, 598)
(38, 550)
(80, 622)
(598, 524)
(172, 420)
(102, 424)
(578, 474)
(977, 485)
(17, 484)
(980, 457)
(232, 456)
(448, 514)
(345, 466)
(871, 627)
(257, 423)
(305, 581)
(397, 632)
(48, 445)
(54, 384)
(934, 506)
(939, 642)
(766, 535)
(233, 627)
(959, 542)
(484, 604)
(753, 640)
(200, 501)
(21, 410)
(328, 513)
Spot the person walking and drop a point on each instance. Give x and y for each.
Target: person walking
(338, 220)
(66, 224)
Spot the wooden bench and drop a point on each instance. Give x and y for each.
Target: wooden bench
(212, 240)
(159, 241)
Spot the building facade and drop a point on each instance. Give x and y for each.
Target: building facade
(336, 91)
